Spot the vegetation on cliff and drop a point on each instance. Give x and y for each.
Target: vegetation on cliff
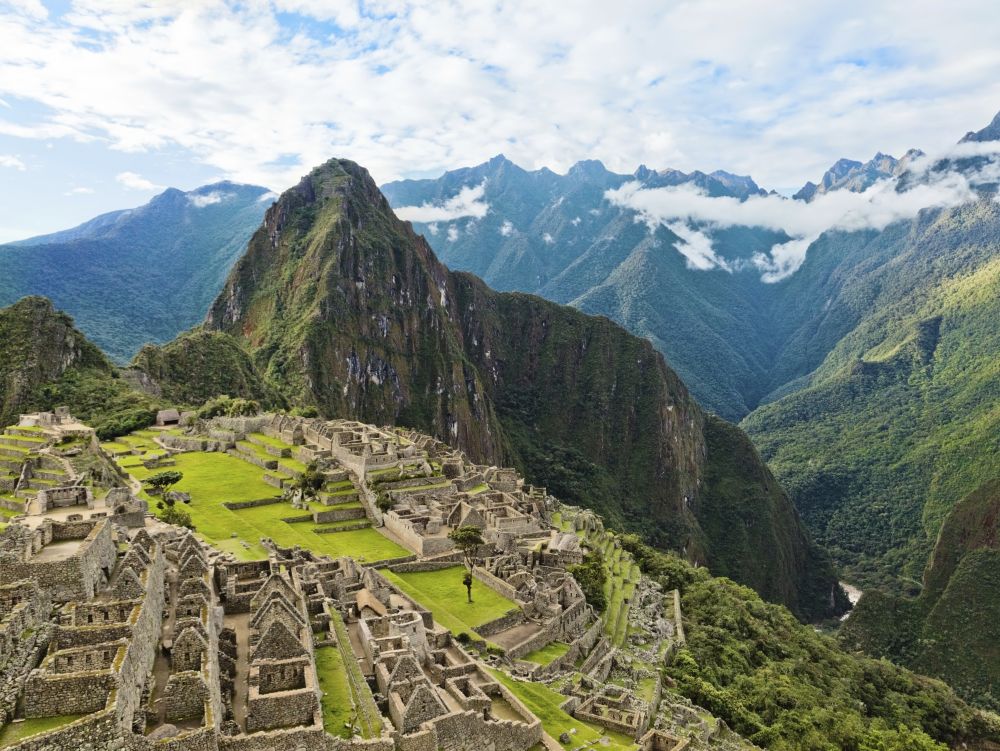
(952, 630)
(45, 362)
(899, 421)
(785, 686)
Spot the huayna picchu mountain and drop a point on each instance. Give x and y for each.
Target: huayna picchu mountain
(342, 307)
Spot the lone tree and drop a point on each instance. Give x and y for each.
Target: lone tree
(161, 481)
(309, 483)
(467, 539)
(178, 516)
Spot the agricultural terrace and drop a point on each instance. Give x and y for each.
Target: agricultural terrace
(443, 593)
(544, 702)
(214, 479)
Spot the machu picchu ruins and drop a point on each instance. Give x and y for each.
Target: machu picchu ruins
(312, 597)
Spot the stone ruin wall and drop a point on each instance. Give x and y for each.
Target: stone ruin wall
(412, 539)
(76, 577)
(141, 651)
(53, 691)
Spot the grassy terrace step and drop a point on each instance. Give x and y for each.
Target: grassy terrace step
(342, 526)
(288, 464)
(41, 482)
(547, 654)
(341, 505)
(367, 714)
(40, 440)
(215, 478)
(266, 440)
(336, 701)
(18, 731)
(443, 593)
(544, 702)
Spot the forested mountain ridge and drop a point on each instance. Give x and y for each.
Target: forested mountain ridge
(139, 275)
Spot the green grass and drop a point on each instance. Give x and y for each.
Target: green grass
(18, 731)
(544, 702)
(214, 478)
(27, 438)
(269, 441)
(368, 718)
(336, 700)
(346, 491)
(547, 654)
(443, 593)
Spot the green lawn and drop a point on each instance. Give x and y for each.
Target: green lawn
(336, 701)
(269, 441)
(443, 593)
(547, 654)
(214, 478)
(18, 731)
(544, 702)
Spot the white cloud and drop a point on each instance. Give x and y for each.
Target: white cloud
(775, 90)
(468, 202)
(432, 228)
(134, 181)
(875, 208)
(267, 197)
(696, 247)
(575, 221)
(201, 200)
(344, 13)
(452, 233)
(507, 228)
(81, 191)
(30, 8)
(548, 239)
(8, 160)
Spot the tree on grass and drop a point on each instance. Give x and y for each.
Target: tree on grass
(467, 539)
(162, 481)
(178, 516)
(307, 485)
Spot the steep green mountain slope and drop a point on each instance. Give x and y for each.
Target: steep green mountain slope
(342, 307)
(559, 237)
(952, 630)
(45, 362)
(901, 419)
(141, 275)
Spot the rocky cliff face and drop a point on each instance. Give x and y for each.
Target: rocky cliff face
(344, 308)
(37, 346)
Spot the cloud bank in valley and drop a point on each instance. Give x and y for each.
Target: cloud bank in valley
(687, 210)
(467, 203)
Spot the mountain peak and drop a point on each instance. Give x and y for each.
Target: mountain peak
(588, 170)
(990, 133)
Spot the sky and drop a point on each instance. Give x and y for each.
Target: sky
(105, 102)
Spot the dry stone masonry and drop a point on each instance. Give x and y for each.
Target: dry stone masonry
(121, 632)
